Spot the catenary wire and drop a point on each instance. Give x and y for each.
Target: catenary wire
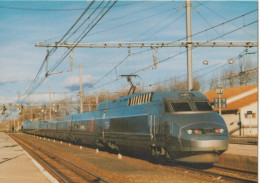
(85, 20)
(63, 9)
(175, 20)
(222, 24)
(127, 23)
(219, 15)
(82, 36)
(45, 60)
(205, 30)
(75, 23)
(164, 60)
(197, 34)
(34, 87)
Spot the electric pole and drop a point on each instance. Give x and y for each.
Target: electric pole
(50, 101)
(189, 44)
(80, 89)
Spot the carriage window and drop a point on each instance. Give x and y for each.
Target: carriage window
(203, 106)
(181, 106)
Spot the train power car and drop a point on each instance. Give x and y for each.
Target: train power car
(178, 124)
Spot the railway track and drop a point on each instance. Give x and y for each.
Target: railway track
(239, 175)
(66, 171)
(62, 169)
(224, 173)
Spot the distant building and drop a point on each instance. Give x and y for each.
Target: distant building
(241, 110)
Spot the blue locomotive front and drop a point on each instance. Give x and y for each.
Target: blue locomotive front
(197, 134)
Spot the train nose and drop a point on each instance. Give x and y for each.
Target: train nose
(207, 137)
(216, 144)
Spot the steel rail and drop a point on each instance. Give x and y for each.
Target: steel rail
(228, 168)
(249, 173)
(63, 177)
(57, 173)
(98, 177)
(224, 176)
(213, 171)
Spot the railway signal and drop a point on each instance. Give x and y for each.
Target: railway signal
(220, 90)
(220, 103)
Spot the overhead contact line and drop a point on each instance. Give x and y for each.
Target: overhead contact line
(34, 86)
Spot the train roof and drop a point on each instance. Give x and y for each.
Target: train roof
(143, 98)
(133, 100)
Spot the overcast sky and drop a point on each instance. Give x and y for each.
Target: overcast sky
(24, 23)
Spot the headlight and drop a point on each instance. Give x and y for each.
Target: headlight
(219, 130)
(194, 131)
(189, 132)
(205, 131)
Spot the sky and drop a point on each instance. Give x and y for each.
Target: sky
(25, 23)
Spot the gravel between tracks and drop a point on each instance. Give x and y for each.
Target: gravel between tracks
(107, 165)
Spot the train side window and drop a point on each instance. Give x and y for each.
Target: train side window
(181, 106)
(166, 108)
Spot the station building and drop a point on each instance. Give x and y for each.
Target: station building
(241, 111)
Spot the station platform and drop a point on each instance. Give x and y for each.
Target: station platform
(16, 165)
(243, 157)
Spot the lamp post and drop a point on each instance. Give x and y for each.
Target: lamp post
(230, 61)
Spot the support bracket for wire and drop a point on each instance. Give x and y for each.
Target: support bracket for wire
(46, 60)
(155, 56)
(71, 59)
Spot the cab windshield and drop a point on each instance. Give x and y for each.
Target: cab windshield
(181, 106)
(203, 106)
(187, 106)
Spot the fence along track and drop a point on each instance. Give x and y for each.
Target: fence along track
(63, 170)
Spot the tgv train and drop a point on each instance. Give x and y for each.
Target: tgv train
(180, 125)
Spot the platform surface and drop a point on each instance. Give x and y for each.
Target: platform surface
(16, 165)
(243, 157)
(244, 150)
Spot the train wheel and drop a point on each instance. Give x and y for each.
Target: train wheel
(100, 144)
(153, 155)
(112, 147)
(158, 155)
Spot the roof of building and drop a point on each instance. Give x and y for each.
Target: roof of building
(233, 92)
(238, 104)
